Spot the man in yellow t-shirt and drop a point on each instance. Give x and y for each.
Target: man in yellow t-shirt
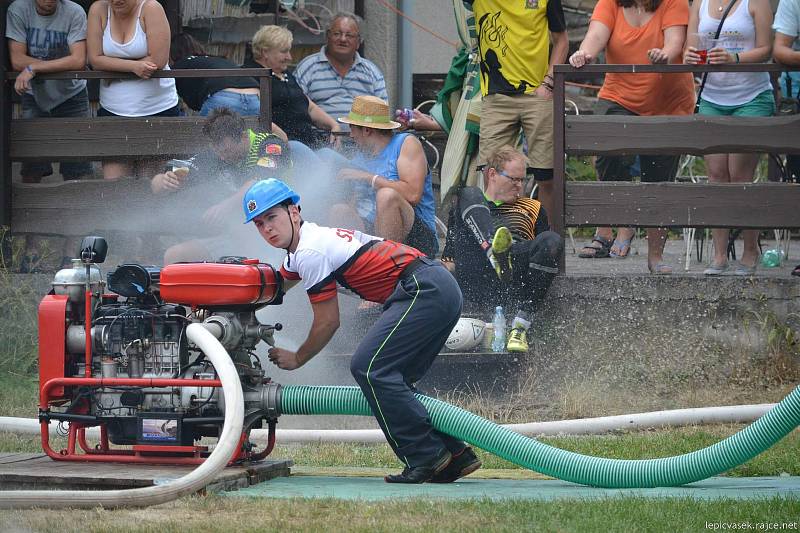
(514, 39)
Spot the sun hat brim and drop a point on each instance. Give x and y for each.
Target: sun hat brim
(388, 125)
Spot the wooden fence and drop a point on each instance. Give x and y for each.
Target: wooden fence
(756, 205)
(76, 208)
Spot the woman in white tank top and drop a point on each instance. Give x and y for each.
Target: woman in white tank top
(746, 37)
(131, 36)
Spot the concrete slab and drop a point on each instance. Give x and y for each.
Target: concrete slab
(374, 488)
(674, 255)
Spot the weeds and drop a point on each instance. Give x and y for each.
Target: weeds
(18, 334)
(781, 361)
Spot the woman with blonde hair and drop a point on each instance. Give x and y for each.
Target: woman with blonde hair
(292, 110)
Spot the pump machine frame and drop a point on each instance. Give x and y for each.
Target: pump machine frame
(119, 359)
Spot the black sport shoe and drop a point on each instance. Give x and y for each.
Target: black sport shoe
(462, 465)
(423, 473)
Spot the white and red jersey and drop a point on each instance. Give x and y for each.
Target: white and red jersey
(367, 265)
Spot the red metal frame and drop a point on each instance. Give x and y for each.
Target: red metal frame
(143, 454)
(52, 335)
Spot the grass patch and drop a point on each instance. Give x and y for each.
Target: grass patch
(18, 398)
(782, 458)
(426, 514)
(213, 513)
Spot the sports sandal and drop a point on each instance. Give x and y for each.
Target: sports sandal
(623, 246)
(597, 252)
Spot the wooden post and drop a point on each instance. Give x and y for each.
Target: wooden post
(172, 8)
(265, 103)
(5, 123)
(557, 219)
(359, 11)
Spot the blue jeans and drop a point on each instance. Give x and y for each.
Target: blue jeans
(247, 105)
(77, 106)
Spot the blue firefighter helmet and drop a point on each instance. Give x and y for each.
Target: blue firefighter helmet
(265, 194)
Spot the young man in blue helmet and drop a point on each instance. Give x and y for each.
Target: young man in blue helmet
(421, 304)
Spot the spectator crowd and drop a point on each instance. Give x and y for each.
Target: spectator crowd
(331, 116)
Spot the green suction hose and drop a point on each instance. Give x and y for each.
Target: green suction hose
(534, 455)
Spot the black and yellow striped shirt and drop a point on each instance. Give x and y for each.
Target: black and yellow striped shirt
(525, 218)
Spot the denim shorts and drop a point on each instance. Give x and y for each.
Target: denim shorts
(247, 105)
(763, 105)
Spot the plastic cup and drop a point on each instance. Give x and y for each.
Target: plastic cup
(706, 44)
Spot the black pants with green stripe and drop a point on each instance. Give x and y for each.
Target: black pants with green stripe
(397, 351)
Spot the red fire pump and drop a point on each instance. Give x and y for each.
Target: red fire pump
(120, 359)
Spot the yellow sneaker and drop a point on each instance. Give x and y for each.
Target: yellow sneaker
(517, 341)
(501, 258)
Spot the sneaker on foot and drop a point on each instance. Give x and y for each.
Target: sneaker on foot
(517, 341)
(422, 473)
(463, 464)
(501, 258)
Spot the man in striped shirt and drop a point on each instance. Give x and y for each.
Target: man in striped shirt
(336, 74)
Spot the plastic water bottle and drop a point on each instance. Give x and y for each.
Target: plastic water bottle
(772, 258)
(499, 323)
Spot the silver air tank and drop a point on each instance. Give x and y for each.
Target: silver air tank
(72, 282)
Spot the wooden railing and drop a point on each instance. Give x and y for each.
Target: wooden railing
(76, 208)
(756, 205)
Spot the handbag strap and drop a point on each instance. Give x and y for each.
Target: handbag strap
(716, 36)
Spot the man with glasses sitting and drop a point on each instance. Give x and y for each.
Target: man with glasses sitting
(499, 244)
(336, 74)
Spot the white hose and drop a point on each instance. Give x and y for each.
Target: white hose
(730, 414)
(587, 426)
(188, 484)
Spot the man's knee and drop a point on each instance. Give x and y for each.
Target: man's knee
(548, 249)
(393, 213)
(388, 198)
(173, 254)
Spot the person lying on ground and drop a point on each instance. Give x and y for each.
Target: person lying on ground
(499, 244)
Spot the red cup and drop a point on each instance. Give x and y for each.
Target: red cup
(703, 57)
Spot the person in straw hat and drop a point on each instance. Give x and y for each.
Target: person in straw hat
(391, 182)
